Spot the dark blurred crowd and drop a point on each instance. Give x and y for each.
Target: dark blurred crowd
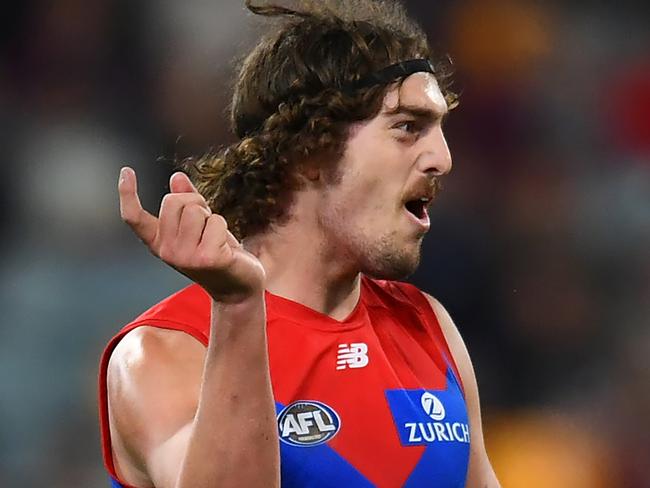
(539, 248)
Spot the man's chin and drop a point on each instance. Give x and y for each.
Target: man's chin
(394, 268)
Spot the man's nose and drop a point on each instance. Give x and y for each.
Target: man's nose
(435, 158)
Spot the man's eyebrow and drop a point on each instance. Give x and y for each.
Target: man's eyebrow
(418, 112)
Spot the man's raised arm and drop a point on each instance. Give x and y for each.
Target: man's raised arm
(181, 416)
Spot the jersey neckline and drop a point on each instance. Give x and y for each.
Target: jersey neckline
(303, 315)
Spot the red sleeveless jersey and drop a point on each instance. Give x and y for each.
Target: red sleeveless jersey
(374, 400)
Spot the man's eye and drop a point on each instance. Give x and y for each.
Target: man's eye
(406, 126)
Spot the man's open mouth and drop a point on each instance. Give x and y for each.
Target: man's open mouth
(418, 207)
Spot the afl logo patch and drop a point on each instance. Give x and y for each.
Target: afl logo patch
(307, 423)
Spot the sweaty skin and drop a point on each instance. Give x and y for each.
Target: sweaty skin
(171, 401)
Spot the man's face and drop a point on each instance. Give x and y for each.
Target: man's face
(376, 208)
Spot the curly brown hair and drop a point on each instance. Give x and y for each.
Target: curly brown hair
(292, 101)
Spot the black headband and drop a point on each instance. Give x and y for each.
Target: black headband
(393, 72)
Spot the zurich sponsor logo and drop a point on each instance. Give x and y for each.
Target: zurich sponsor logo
(307, 423)
(438, 418)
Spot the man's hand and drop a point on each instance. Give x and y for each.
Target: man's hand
(189, 237)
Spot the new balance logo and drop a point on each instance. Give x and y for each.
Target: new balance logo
(352, 355)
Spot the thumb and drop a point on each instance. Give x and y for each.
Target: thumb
(180, 183)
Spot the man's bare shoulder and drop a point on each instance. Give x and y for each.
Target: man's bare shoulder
(151, 362)
(154, 380)
(144, 345)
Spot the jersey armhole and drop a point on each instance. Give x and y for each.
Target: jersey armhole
(429, 317)
(103, 387)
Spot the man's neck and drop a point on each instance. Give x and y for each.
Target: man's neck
(300, 267)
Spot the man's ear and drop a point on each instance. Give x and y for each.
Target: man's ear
(311, 172)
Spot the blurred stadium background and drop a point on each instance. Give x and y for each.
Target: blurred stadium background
(540, 246)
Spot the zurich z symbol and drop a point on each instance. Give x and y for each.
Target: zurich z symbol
(353, 355)
(432, 406)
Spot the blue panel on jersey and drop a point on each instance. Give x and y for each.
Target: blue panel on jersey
(317, 466)
(438, 420)
(115, 484)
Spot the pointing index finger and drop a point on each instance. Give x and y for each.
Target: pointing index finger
(142, 222)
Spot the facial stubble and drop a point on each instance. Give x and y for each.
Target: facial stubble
(385, 259)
